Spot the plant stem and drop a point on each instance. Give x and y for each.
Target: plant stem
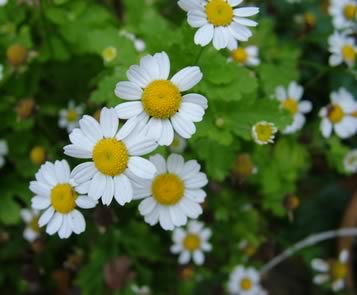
(198, 56)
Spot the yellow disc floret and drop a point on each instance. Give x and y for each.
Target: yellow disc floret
(219, 12)
(338, 270)
(72, 116)
(350, 11)
(240, 55)
(335, 114)
(191, 242)
(110, 156)
(246, 284)
(109, 54)
(161, 99)
(34, 224)
(264, 132)
(349, 53)
(290, 105)
(167, 189)
(38, 155)
(63, 198)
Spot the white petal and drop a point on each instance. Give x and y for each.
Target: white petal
(187, 78)
(198, 181)
(239, 32)
(40, 189)
(192, 209)
(40, 203)
(130, 126)
(338, 285)
(196, 195)
(26, 215)
(78, 138)
(30, 235)
(127, 110)
(175, 163)
(319, 265)
(177, 216)
(109, 122)
(123, 190)
(167, 133)
(188, 5)
(142, 146)
(76, 152)
(178, 235)
(159, 163)
(62, 171)
(128, 91)
(55, 224)
(185, 257)
(245, 22)
(141, 167)
(326, 127)
(153, 128)
(344, 255)
(163, 62)
(66, 229)
(90, 128)
(196, 18)
(138, 76)
(192, 111)
(220, 37)
(183, 126)
(246, 11)
(234, 3)
(97, 186)
(305, 106)
(204, 35)
(165, 219)
(153, 217)
(83, 172)
(77, 221)
(147, 206)
(46, 216)
(198, 257)
(108, 192)
(85, 202)
(197, 99)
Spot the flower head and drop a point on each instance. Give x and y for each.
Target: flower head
(173, 194)
(32, 230)
(57, 194)
(344, 13)
(157, 102)
(38, 155)
(350, 161)
(343, 50)
(264, 132)
(109, 54)
(68, 118)
(115, 155)
(244, 281)
(248, 56)
(220, 21)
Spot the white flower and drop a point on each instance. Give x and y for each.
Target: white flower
(157, 102)
(144, 290)
(344, 13)
(191, 243)
(290, 101)
(109, 54)
(343, 49)
(32, 230)
(244, 281)
(3, 152)
(248, 56)
(1, 72)
(139, 44)
(264, 132)
(350, 161)
(178, 145)
(334, 271)
(220, 21)
(173, 194)
(68, 118)
(115, 155)
(3, 2)
(340, 115)
(56, 193)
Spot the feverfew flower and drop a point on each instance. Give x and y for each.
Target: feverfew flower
(178, 145)
(191, 243)
(350, 161)
(220, 21)
(244, 281)
(290, 101)
(56, 193)
(109, 54)
(344, 13)
(3, 2)
(264, 132)
(248, 56)
(32, 230)
(173, 194)
(334, 271)
(343, 50)
(340, 115)
(3, 152)
(68, 118)
(157, 102)
(114, 153)
(138, 43)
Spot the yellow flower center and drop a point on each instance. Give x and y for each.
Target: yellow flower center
(335, 114)
(109, 54)
(290, 105)
(110, 156)
(63, 198)
(191, 242)
(167, 189)
(246, 284)
(352, 160)
(264, 132)
(250, 250)
(219, 12)
(338, 270)
(348, 53)
(350, 11)
(38, 155)
(240, 55)
(161, 99)
(34, 224)
(72, 116)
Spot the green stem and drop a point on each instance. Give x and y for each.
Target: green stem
(198, 56)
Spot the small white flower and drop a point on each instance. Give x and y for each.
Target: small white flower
(157, 102)
(191, 243)
(344, 13)
(139, 44)
(178, 145)
(220, 21)
(115, 155)
(350, 161)
(144, 290)
(3, 2)
(173, 194)
(56, 193)
(3, 152)
(245, 281)
(68, 118)
(290, 101)
(264, 132)
(340, 115)
(343, 49)
(248, 56)
(32, 230)
(334, 271)
(109, 54)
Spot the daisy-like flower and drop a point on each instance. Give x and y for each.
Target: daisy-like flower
(220, 21)
(344, 13)
(3, 152)
(3, 2)
(115, 154)
(350, 161)
(244, 281)
(343, 50)
(32, 230)
(157, 102)
(340, 115)
(290, 101)
(248, 56)
(334, 271)
(173, 194)
(109, 54)
(178, 145)
(144, 290)
(264, 132)
(191, 243)
(68, 118)
(138, 43)
(56, 193)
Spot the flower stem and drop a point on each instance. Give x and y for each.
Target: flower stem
(198, 56)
